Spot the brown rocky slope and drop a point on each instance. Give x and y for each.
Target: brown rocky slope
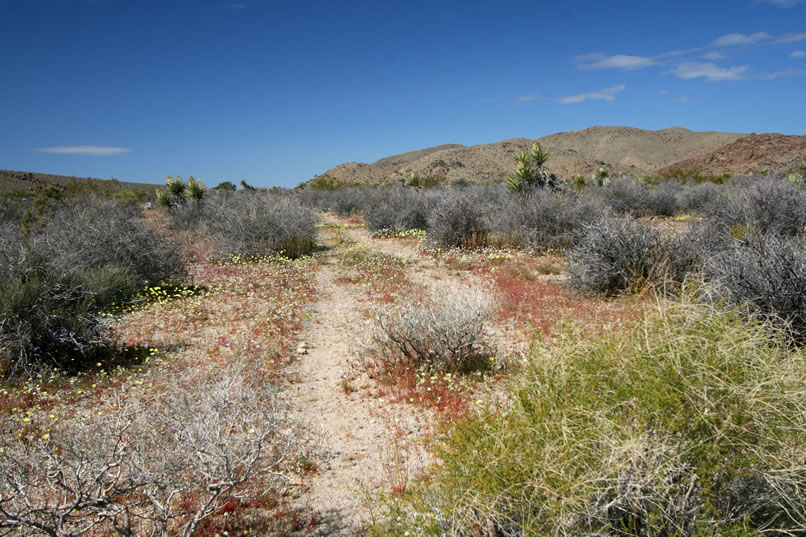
(624, 150)
(753, 153)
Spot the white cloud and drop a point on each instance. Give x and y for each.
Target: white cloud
(782, 3)
(714, 55)
(86, 150)
(786, 73)
(797, 54)
(683, 99)
(618, 61)
(606, 94)
(709, 71)
(792, 38)
(740, 39)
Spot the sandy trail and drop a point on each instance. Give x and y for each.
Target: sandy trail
(357, 429)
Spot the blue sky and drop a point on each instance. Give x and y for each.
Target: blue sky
(276, 92)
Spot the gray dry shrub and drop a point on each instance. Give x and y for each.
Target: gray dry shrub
(665, 199)
(625, 196)
(441, 331)
(460, 220)
(615, 255)
(695, 198)
(763, 204)
(352, 200)
(260, 224)
(401, 209)
(766, 274)
(149, 465)
(90, 233)
(80, 258)
(543, 219)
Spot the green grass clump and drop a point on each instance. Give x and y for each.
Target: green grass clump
(691, 423)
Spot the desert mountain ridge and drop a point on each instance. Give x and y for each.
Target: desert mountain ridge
(621, 150)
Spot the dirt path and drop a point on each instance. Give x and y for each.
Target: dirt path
(366, 441)
(357, 431)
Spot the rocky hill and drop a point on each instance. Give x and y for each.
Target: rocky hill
(21, 184)
(619, 149)
(753, 153)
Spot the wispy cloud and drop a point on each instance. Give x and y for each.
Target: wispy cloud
(740, 39)
(792, 38)
(714, 55)
(618, 61)
(237, 5)
(606, 94)
(797, 54)
(782, 3)
(710, 71)
(683, 99)
(786, 73)
(86, 150)
(527, 98)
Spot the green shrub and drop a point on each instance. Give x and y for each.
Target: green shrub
(692, 423)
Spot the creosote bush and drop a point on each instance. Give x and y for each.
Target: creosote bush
(148, 466)
(692, 423)
(441, 331)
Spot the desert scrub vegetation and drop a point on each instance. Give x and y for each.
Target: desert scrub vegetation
(761, 204)
(251, 224)
(440, 331)
(383, 275)
(148, 464)
(615, 255)
(765, 275)
(76, 259)
(459, 220)
(542, 219)
(402, 209)
(691, 423)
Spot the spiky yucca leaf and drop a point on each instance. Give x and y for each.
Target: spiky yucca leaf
(539, 156)
(177, 187)
(195, 189)
(162, 198)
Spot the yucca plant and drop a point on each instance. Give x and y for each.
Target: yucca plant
(529, 169)
(195, 190)
(177, 188)
(162, 198)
